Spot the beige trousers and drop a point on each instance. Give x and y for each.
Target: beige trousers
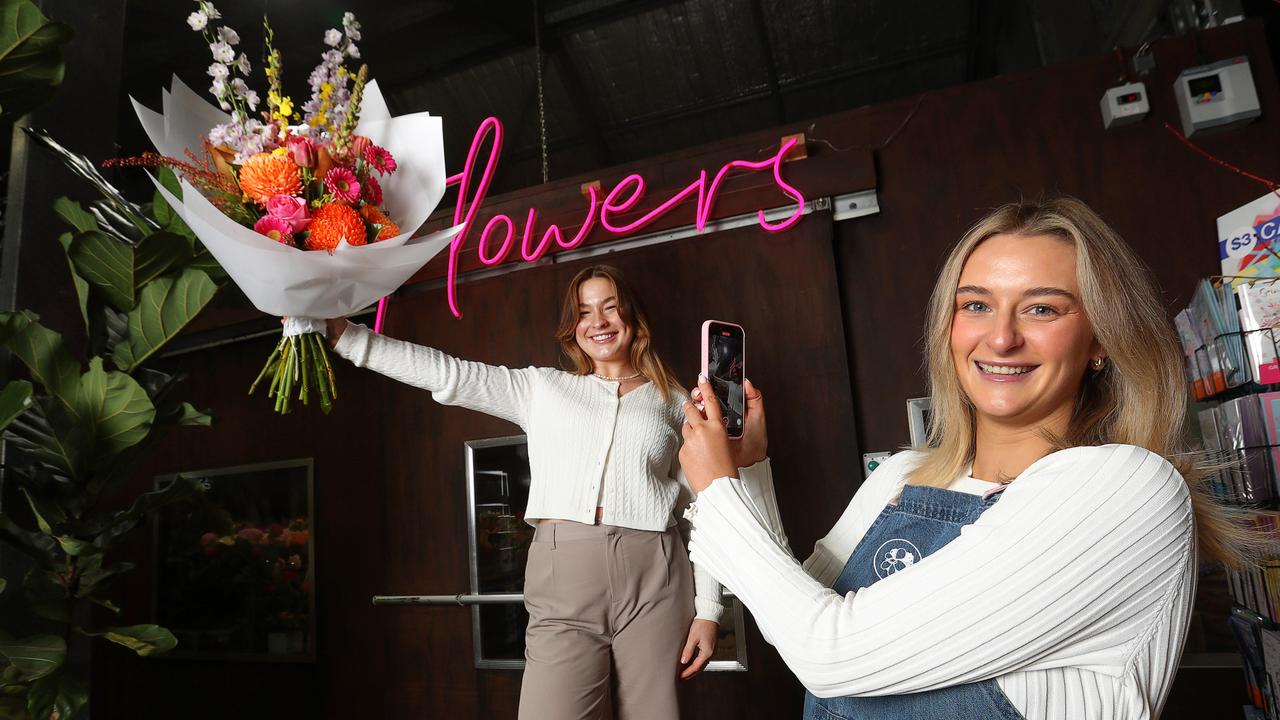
(607, 606)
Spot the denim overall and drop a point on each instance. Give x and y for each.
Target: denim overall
(924, 520)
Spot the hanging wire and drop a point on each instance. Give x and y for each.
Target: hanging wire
(811, 132)
(542, 108)
(1272, 185)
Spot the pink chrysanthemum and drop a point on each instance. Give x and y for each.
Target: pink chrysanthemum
(381, 159)
(372, 191)
(343, 184)
(274, 228)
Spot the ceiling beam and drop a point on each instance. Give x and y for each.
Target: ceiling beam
(573, 16)
(1066, 30)
(928, 51)
(1136, 25)
(770, 65)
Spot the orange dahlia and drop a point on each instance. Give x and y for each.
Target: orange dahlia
(333, 222)
(374, 216)
(265, 175)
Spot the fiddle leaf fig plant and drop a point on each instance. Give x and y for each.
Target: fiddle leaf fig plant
(81, 422)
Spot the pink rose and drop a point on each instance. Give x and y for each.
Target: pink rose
(302, 149)
(292, 210)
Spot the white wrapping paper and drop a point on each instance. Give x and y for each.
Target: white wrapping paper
(283, 280)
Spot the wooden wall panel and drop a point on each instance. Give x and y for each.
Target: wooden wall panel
(391, 499)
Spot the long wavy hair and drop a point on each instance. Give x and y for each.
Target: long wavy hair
(643, 357)
(1138, 398)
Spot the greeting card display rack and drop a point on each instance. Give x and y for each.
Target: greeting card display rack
(1234, 377)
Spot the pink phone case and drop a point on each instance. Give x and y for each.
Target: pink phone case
(706, 351)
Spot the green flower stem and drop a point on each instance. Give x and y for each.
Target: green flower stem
(326, 391)
(275, 355)
(305, 350)
(299, 367)
(281, 374)
(278, 375)
(328, 370)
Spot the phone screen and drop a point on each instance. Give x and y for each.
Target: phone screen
(726, 358)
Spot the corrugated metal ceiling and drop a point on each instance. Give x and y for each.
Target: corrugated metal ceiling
(622, 79)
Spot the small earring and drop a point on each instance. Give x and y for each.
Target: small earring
(1098, 363)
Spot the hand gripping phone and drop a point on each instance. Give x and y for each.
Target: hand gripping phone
(724, 363)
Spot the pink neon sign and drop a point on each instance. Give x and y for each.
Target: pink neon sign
(499, 234)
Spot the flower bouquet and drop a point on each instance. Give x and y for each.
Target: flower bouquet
(291, 201)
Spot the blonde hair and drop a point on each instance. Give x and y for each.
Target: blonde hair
(1138, 398)
(643, 357)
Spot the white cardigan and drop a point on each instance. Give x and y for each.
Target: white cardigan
(583, 439)
(1073, 591)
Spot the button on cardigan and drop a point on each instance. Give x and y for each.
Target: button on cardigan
(583, 439)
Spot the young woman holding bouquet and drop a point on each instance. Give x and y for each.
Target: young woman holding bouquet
(1038, 558)
(608, 584)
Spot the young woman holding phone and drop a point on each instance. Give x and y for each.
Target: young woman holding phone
(1037, 559)
(608, 586)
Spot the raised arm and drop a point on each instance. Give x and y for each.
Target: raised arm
(1083, 554)
(490, 389)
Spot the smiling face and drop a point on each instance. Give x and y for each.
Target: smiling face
(601, 332)
(1020, 340)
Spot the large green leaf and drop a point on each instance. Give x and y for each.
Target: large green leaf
(42, 351)
(158, 254)
(74, 214)
(35, 657)
(142, 639)
(180, 489)
(192, 416)
(46, 596)
(31, 65)
(40, 547)
(164, 213)
(116, 407)
(93, 576)
(53, 434)
(107, 264)
(61, 693)
(14, 400)
(204, 260)
(81, 285)
(165, 306)
(119, 269)
(46, 514)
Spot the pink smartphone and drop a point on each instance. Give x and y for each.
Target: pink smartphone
(724, 363)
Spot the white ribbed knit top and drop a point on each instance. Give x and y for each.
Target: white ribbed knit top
(1073, 591)
(585, 442)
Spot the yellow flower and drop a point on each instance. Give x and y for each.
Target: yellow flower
(286, 106)
(279, 152)
(326, 89)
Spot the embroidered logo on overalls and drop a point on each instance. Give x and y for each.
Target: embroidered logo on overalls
(895, 555)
